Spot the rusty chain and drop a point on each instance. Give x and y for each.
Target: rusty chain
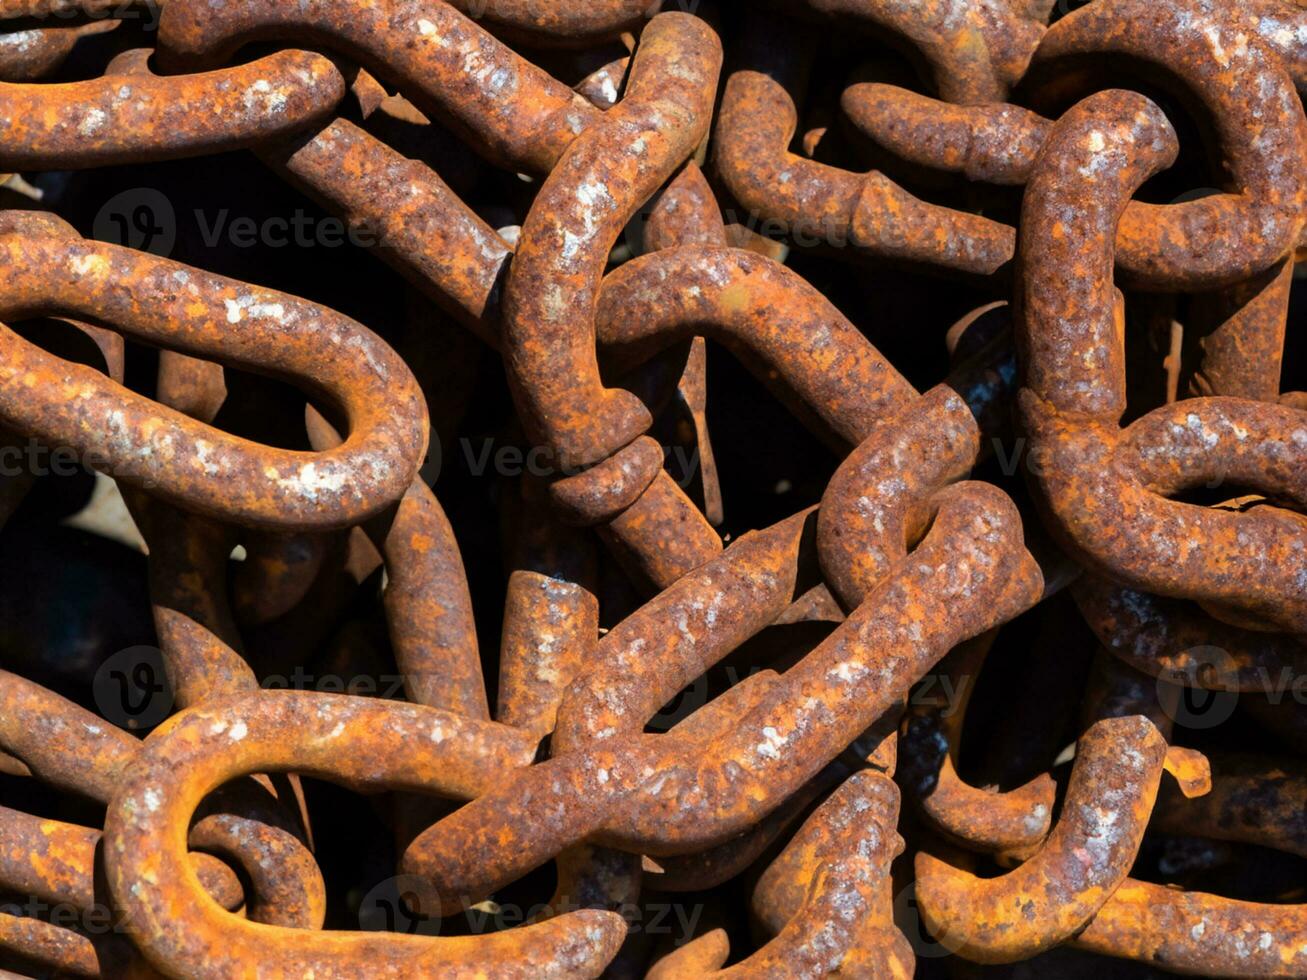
(426, 617)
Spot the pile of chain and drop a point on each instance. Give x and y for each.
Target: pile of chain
(457, 648)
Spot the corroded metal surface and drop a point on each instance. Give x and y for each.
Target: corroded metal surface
(796, 489)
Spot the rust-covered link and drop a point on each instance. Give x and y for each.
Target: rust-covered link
(974, 51)
(594, 190)
(512, 110)
(1086, 857)
(817, 203)
(1070, 336)
(185, 309)
(843, 922)
(640, 792)
(135, 118)
(183, 932)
